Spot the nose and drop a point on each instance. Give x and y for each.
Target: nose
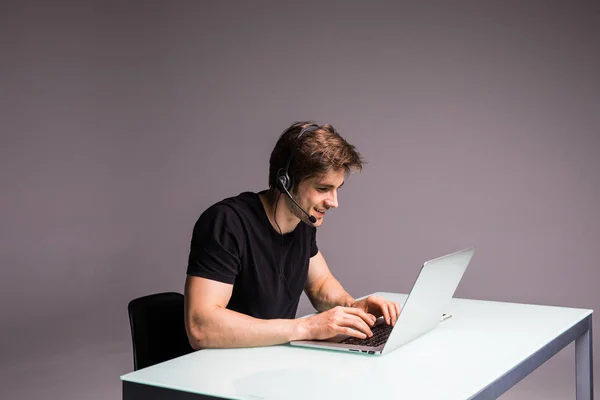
(332, 201)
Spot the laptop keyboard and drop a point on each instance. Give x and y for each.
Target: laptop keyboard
(381, 332)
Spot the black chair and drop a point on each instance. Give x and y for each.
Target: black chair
(157, 329)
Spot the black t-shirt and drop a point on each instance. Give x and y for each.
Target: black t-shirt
(234, 242)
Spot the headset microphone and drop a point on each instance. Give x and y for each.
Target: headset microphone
(310, 217)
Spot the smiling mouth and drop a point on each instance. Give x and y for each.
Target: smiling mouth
(321, 212)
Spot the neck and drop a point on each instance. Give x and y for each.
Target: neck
(286, 220)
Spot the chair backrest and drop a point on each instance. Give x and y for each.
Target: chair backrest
(157, 329)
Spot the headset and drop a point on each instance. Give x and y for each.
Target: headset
(284, 180)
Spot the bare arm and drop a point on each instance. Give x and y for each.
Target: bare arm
(209, 324)
(322, 289)
(325, 292)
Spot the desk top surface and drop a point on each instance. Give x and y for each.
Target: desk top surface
(481, 342)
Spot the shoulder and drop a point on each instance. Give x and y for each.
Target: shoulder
(231, 211)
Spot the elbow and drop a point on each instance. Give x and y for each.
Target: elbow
(197, 338)
(202, 329)
(195, 344)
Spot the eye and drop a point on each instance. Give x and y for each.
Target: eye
(323, 190)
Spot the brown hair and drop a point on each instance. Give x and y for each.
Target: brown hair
(313, 154)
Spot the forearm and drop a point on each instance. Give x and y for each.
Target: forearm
(223, 328)
(330, 294)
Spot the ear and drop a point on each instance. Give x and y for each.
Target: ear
(282, 180)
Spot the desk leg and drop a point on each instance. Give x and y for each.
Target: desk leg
(584, 364)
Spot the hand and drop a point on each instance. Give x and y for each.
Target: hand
(378, 306)
(339, 321)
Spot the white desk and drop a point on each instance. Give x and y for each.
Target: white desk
(479, 353)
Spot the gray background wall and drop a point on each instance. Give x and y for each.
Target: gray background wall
(122, 121)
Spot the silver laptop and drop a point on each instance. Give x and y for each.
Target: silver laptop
(422, 311)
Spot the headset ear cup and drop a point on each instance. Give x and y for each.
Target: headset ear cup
(282, 181)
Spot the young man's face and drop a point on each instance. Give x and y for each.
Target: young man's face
(317, 195)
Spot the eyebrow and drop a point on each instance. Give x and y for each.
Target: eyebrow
(329, 186)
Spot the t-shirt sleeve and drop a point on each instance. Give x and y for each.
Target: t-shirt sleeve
(314, 249)
(216, 245)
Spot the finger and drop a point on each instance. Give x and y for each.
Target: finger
(369, 318)
(358, 324)
(397, 307)
(351, 332)
(361, 325)
(393, 315)
(386, 313)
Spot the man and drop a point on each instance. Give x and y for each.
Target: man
(252, 255)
